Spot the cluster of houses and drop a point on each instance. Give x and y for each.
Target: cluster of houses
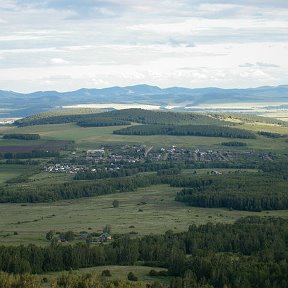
(113, 158)
(65, 168)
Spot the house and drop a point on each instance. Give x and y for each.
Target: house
(216, 172)
(105, 237)
(95, 151)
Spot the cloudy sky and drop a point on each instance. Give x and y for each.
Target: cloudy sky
(69, 44)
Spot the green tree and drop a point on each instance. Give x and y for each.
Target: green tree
(115, 203)
(49, 235)
(132, 277)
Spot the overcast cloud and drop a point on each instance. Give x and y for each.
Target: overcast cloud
(69, 44)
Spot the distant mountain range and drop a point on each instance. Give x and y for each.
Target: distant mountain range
(19, 104)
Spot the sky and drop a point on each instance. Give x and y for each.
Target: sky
(65, 45)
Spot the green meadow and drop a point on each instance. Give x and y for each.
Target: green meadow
(141, 212)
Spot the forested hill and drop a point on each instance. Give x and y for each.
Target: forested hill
(125, 116)
(21, 105)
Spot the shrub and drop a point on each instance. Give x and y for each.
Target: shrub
(132, 277)
(106, 273)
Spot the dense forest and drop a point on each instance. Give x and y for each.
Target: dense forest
(29, 155)
(252, 192)
(187, 130)
(252, 252)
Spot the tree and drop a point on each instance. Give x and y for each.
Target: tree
(49, 235)
(106, 273)
(132, 277)
(68, 236)
(107, 228)
(115, 203)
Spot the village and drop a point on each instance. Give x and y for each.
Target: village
(129, 156)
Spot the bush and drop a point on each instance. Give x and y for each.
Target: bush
(106, 273)
(132, 277)
(49, 235)
(115, 203)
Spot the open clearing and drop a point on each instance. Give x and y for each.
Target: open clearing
(159, 214)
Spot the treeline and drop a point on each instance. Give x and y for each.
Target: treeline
(270, 134)
(102, 174)
(127, 115)
(101, 122)
(252, 252)
(187, 130)
(249, 192)
(22, 136)
(53, 119)
(28, 155)
(234, 144)
(132, 169)
(76, 189)
(276, 167)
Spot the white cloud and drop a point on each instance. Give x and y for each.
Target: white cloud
(58, 61)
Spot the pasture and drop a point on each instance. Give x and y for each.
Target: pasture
(145, 211)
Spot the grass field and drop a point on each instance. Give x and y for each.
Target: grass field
(95, 137)
(8, 172)
(161, 213)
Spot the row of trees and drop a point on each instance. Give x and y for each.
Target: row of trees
(22, 136)
(28, 155)
(101, 122)
(187, 130)
(129, 169)
(234, 144)
(270, 134)
(76, 189)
